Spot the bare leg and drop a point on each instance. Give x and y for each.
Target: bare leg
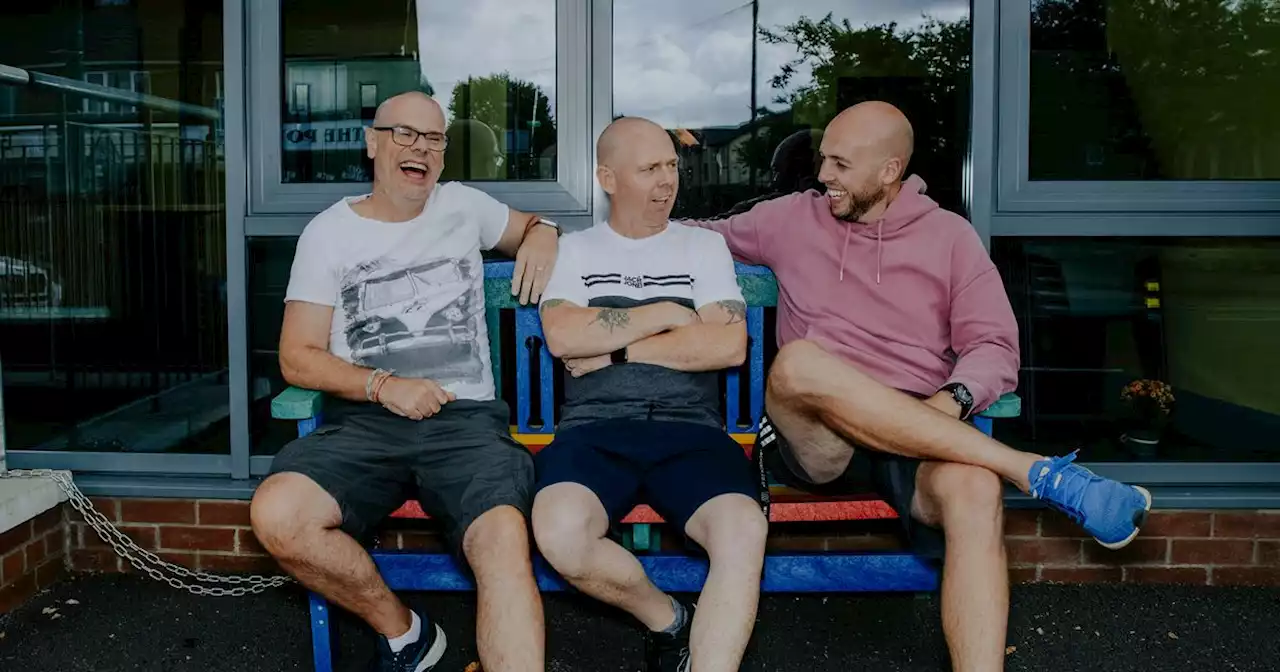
(509, 622)
(569, 524)
(732, 529)
(809, 386)
(297, 522)
(966, 502)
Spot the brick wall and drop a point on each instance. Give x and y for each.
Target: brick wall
(33, 556)
(1200, 547)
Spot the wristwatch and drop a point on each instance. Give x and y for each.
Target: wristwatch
(618, 356)
(547, 222)
(962, 396)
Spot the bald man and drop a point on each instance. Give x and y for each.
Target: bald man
(894, 329)
(385, 313)
(644, 314)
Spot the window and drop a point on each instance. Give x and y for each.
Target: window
(113, 313)
(1123, 90)
(499, 99)
(748, 94)
(1096, 315)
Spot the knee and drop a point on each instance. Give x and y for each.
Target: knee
(562, 531)
(283, 512)
(796, 369)
(970, 497)
(736, 534)
(498, 537)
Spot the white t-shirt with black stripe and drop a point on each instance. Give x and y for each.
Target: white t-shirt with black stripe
(599, 268)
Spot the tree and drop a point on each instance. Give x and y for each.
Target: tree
(504, 103)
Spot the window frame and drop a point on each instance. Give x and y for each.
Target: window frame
(1201, 201)
(569, 194)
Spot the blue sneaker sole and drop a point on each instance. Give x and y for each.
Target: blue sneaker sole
(1139, 520)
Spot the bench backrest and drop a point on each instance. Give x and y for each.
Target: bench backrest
(535, 368)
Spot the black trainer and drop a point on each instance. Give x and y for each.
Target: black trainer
(669, 653)
(419, 656)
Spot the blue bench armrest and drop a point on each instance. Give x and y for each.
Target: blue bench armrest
(296, 403)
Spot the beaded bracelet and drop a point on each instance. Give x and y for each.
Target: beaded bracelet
(377, 386)
(368, 383)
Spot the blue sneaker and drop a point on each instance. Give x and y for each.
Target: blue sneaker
(420, 656)
(1109, 510)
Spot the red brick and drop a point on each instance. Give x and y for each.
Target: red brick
(1140, 551)
(422, 541)
(14, 565)
(1082, 574)
(107, 506)
(55, 543)
(1212, 552)
(13, 595)
(1054, 524)
(92, 560)
(142, 535)
(35, 553)
(15, 538)
(1178, 524)
(224, 513)
(50, 573)
(158, 511)
(1188, 575)
(1046, 551)
(1246, 576)
(184, 558)
(197, 538)
(1021, 523)
(46, 521)
(247, 543)
(1269, 553)
(259, 564)
(1022, 575)
(1251, 525)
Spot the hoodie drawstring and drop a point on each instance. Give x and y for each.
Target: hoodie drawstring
(879, 247)
(845, 248)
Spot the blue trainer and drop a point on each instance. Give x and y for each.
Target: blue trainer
(1109, 510)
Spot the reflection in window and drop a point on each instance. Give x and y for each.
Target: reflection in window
(1154, 90)
(499, 100)
(113, 230)
(1196, 316)
(747, 135)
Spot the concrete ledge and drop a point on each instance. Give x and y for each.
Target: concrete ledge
(22, 499)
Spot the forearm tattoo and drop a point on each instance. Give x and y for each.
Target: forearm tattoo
(549, 303)
(613, 318)
(737, 310)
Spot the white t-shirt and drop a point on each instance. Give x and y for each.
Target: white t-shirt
(598, 268)
(407, 296)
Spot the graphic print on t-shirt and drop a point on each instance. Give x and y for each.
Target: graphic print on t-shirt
(421, 322)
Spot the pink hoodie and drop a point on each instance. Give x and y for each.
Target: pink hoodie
(911, 299)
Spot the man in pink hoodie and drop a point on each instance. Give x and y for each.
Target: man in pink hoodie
(893, 330)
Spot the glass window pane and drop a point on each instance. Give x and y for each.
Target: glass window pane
(490, 64)
(113, 327)
(1154, 90)
(748, 96)
(1199, 317)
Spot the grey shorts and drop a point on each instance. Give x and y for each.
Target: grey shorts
(459, 464)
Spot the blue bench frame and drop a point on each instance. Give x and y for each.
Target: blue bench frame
(824, 572)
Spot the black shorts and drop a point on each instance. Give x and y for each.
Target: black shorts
(458, 464)
(674, 467)
(890, 477)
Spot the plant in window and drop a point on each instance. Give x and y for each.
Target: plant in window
(1150, 403)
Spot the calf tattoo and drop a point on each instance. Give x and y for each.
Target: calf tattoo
(613, 318)
(737, 310)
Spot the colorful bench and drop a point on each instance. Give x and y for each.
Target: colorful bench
(674, 572)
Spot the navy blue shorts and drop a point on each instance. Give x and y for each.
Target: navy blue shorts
(674, 467)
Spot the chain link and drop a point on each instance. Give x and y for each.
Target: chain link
(145, 561)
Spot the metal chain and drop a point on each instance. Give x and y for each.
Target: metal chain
(146, 561)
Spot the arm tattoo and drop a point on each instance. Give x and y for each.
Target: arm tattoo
(613, 318)
(549, 303)
(737, 310)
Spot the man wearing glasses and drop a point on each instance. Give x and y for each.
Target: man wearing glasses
(385, 313)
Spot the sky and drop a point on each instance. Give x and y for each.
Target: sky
(679, 67)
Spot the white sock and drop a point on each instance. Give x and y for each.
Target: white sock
(415, 631)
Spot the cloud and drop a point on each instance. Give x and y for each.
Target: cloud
(676, 65)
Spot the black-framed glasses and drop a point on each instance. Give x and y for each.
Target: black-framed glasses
(406, 137)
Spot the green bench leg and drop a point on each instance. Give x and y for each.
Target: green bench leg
(640, 537)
